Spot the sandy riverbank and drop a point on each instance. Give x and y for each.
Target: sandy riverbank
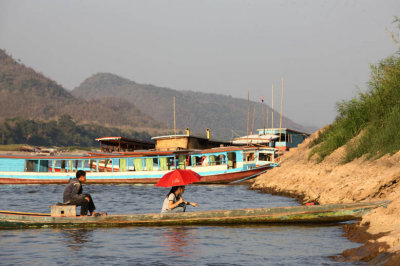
(332, 182)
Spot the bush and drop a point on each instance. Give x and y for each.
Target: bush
(375, 113)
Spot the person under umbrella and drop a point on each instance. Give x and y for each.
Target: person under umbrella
(174, 201)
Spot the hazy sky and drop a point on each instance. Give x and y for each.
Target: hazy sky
(322, 48)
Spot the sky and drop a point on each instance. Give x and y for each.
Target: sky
(322, 48)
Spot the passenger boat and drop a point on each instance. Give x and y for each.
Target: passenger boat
(287, 215)
(216, 165)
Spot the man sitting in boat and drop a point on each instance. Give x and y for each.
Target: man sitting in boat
(174, 201)
(73, 194)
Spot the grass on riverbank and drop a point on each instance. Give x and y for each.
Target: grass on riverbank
(11, 147)
(374, 116)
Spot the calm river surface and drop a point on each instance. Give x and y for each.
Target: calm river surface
(179, 245)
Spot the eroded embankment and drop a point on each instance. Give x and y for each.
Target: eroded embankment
(332, 182)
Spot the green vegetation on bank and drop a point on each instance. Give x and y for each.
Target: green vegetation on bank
(63, 132)
(373, 118)
(11, 147)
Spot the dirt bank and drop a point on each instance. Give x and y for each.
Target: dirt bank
(332, 182)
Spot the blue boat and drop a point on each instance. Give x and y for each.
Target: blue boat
(215, 166)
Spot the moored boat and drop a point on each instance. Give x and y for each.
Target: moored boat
(298, 214)
(216, 165)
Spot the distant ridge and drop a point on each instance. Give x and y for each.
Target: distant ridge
(112, 101)
(28, 94)
(224, 115)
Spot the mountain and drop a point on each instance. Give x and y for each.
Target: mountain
(28, 94)
(112, 101)
(224, 115)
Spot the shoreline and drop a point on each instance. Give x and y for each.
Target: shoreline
(369, 252)
(300, 177)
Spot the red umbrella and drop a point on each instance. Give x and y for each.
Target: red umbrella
(178, 177)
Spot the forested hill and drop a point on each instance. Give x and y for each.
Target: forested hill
(224, 115)
(28, 94)
(111, 101)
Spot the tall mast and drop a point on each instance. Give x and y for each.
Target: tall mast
(248, 112)
(254, 118)
(174, 118)
(280, 123)
(263, 113)
(272, 111)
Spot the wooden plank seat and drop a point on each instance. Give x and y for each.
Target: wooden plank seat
(60, 210)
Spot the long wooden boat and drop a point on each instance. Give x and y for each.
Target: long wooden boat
(217, 165)
(299, 214)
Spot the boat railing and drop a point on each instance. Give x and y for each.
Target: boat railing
(118, 163)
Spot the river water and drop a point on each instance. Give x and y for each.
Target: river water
(177, 245)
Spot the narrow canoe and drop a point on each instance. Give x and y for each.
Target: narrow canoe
(298, 214)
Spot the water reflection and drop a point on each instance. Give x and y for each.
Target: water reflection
(76, 239)
(179, 241)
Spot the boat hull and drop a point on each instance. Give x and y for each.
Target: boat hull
(211, 177)
(287, 215)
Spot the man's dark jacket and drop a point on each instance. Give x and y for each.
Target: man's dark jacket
(73, 191)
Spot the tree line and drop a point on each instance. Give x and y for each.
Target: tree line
(62, 132)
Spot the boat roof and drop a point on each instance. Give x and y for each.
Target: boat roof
(187, 136)
(233, 148)
(283, 129)
(137, 153)
(253, 139)
(119, 139)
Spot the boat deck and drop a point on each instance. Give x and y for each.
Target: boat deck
(288, 215)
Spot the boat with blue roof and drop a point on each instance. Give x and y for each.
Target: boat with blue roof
(219, 165)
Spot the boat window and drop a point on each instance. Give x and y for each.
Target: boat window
(264, 156)
(62, 165)
(204, 160)
(37, 166)
(130, 166)
(221, 159)
(283, 138)
(182, 161)
(196, 160)
(149, 164)
(213, 160)
(231, 160)
(171, 163)
(138, 164)
(31, 165)
(249, 157)
(155, 163)
(107, 164)
(122, 165)
(92, 165)
(163, 163)
(217, 159)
